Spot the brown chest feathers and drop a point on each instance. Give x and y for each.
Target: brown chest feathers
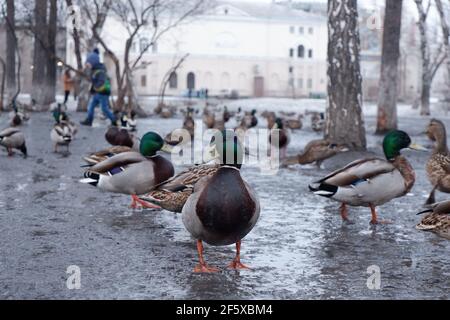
(406, 171)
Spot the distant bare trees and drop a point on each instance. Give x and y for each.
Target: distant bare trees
(387, 100)
(147, 18)
(345, 123)
(10, 47)
(446, 34)
(430, 62)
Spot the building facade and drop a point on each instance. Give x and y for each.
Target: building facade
(253, 49)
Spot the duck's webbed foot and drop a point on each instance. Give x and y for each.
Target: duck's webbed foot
(375, 219)
(202, 267)
(236, 264)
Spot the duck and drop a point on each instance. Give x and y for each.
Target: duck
(317, 121)
(122, 137)
(59, 114)
(250, 120)
(61, 135)
(13, 138)
(371, 182)
(173, 194)
(283, 138)
(223, 208)
(437, 220)
(295, 123)
(133, 173)
(438, 166)
(188, 126)
(99, 156)
(316, 151)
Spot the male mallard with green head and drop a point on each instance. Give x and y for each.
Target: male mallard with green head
(438, 167)
(437, 220)
(131, 172)
(374, 181)
(223, 208)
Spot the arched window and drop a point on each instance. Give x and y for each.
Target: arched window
(291, 52)
(225, 80)
(310, 53)
(173, 80)
(191, 81)
(301, 51)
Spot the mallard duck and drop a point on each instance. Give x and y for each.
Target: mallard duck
(188, 125)
(371, 182)
(59, 114)
(173, 194)
(223, 208)
(283, 137)
(438, 167)
(104, 154)
(295, 124)
(133, 173)
(121, 137)
(437, 220)
(316, 151)
(250, 120)
(13, 138)
(61, 135)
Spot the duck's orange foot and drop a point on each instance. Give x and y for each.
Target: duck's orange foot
(237, 265)
(203, 268)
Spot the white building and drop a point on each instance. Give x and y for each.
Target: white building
(257, 49)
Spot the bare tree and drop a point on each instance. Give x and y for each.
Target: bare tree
(430, 63)
(446, 35)
(167, 77)
(387, 100)
(152, 17)
(85, 41)
(51, 70)
(10, 47)
(40, 54)
(2, 85)
(344, 115)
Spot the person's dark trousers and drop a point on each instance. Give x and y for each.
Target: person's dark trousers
(103, 101)
(66, 96)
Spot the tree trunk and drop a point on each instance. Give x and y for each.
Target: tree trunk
(40, 55)
(345, 124)
(2, 86)
(425, 53)
(446, 36)
(387, 100)
(10, 48)
(51, 61)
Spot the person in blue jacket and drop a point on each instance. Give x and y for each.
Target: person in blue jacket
(100, 89)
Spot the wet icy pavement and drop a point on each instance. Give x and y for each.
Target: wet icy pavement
(300, 249)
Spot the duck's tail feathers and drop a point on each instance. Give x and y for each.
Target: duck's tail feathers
(425, 211)
(323, 189)
(91, 178)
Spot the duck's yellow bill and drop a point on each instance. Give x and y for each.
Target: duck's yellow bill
(417, 147)
(167, 148)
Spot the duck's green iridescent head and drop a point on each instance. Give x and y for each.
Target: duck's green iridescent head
(229, 148)
(151, 143)
(394, 142)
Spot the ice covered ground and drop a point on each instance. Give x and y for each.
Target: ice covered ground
(299, 249)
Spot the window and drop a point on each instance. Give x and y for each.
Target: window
(291, 52)
(173, 80)
(300, 83)
(310, 53)
(143, 81)
(291, 29)
(301, 51)
(291, 69)
(301, 30)
(311, 30)
(144, 43)
(225, 11)
(310, 83)
(191, 81)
